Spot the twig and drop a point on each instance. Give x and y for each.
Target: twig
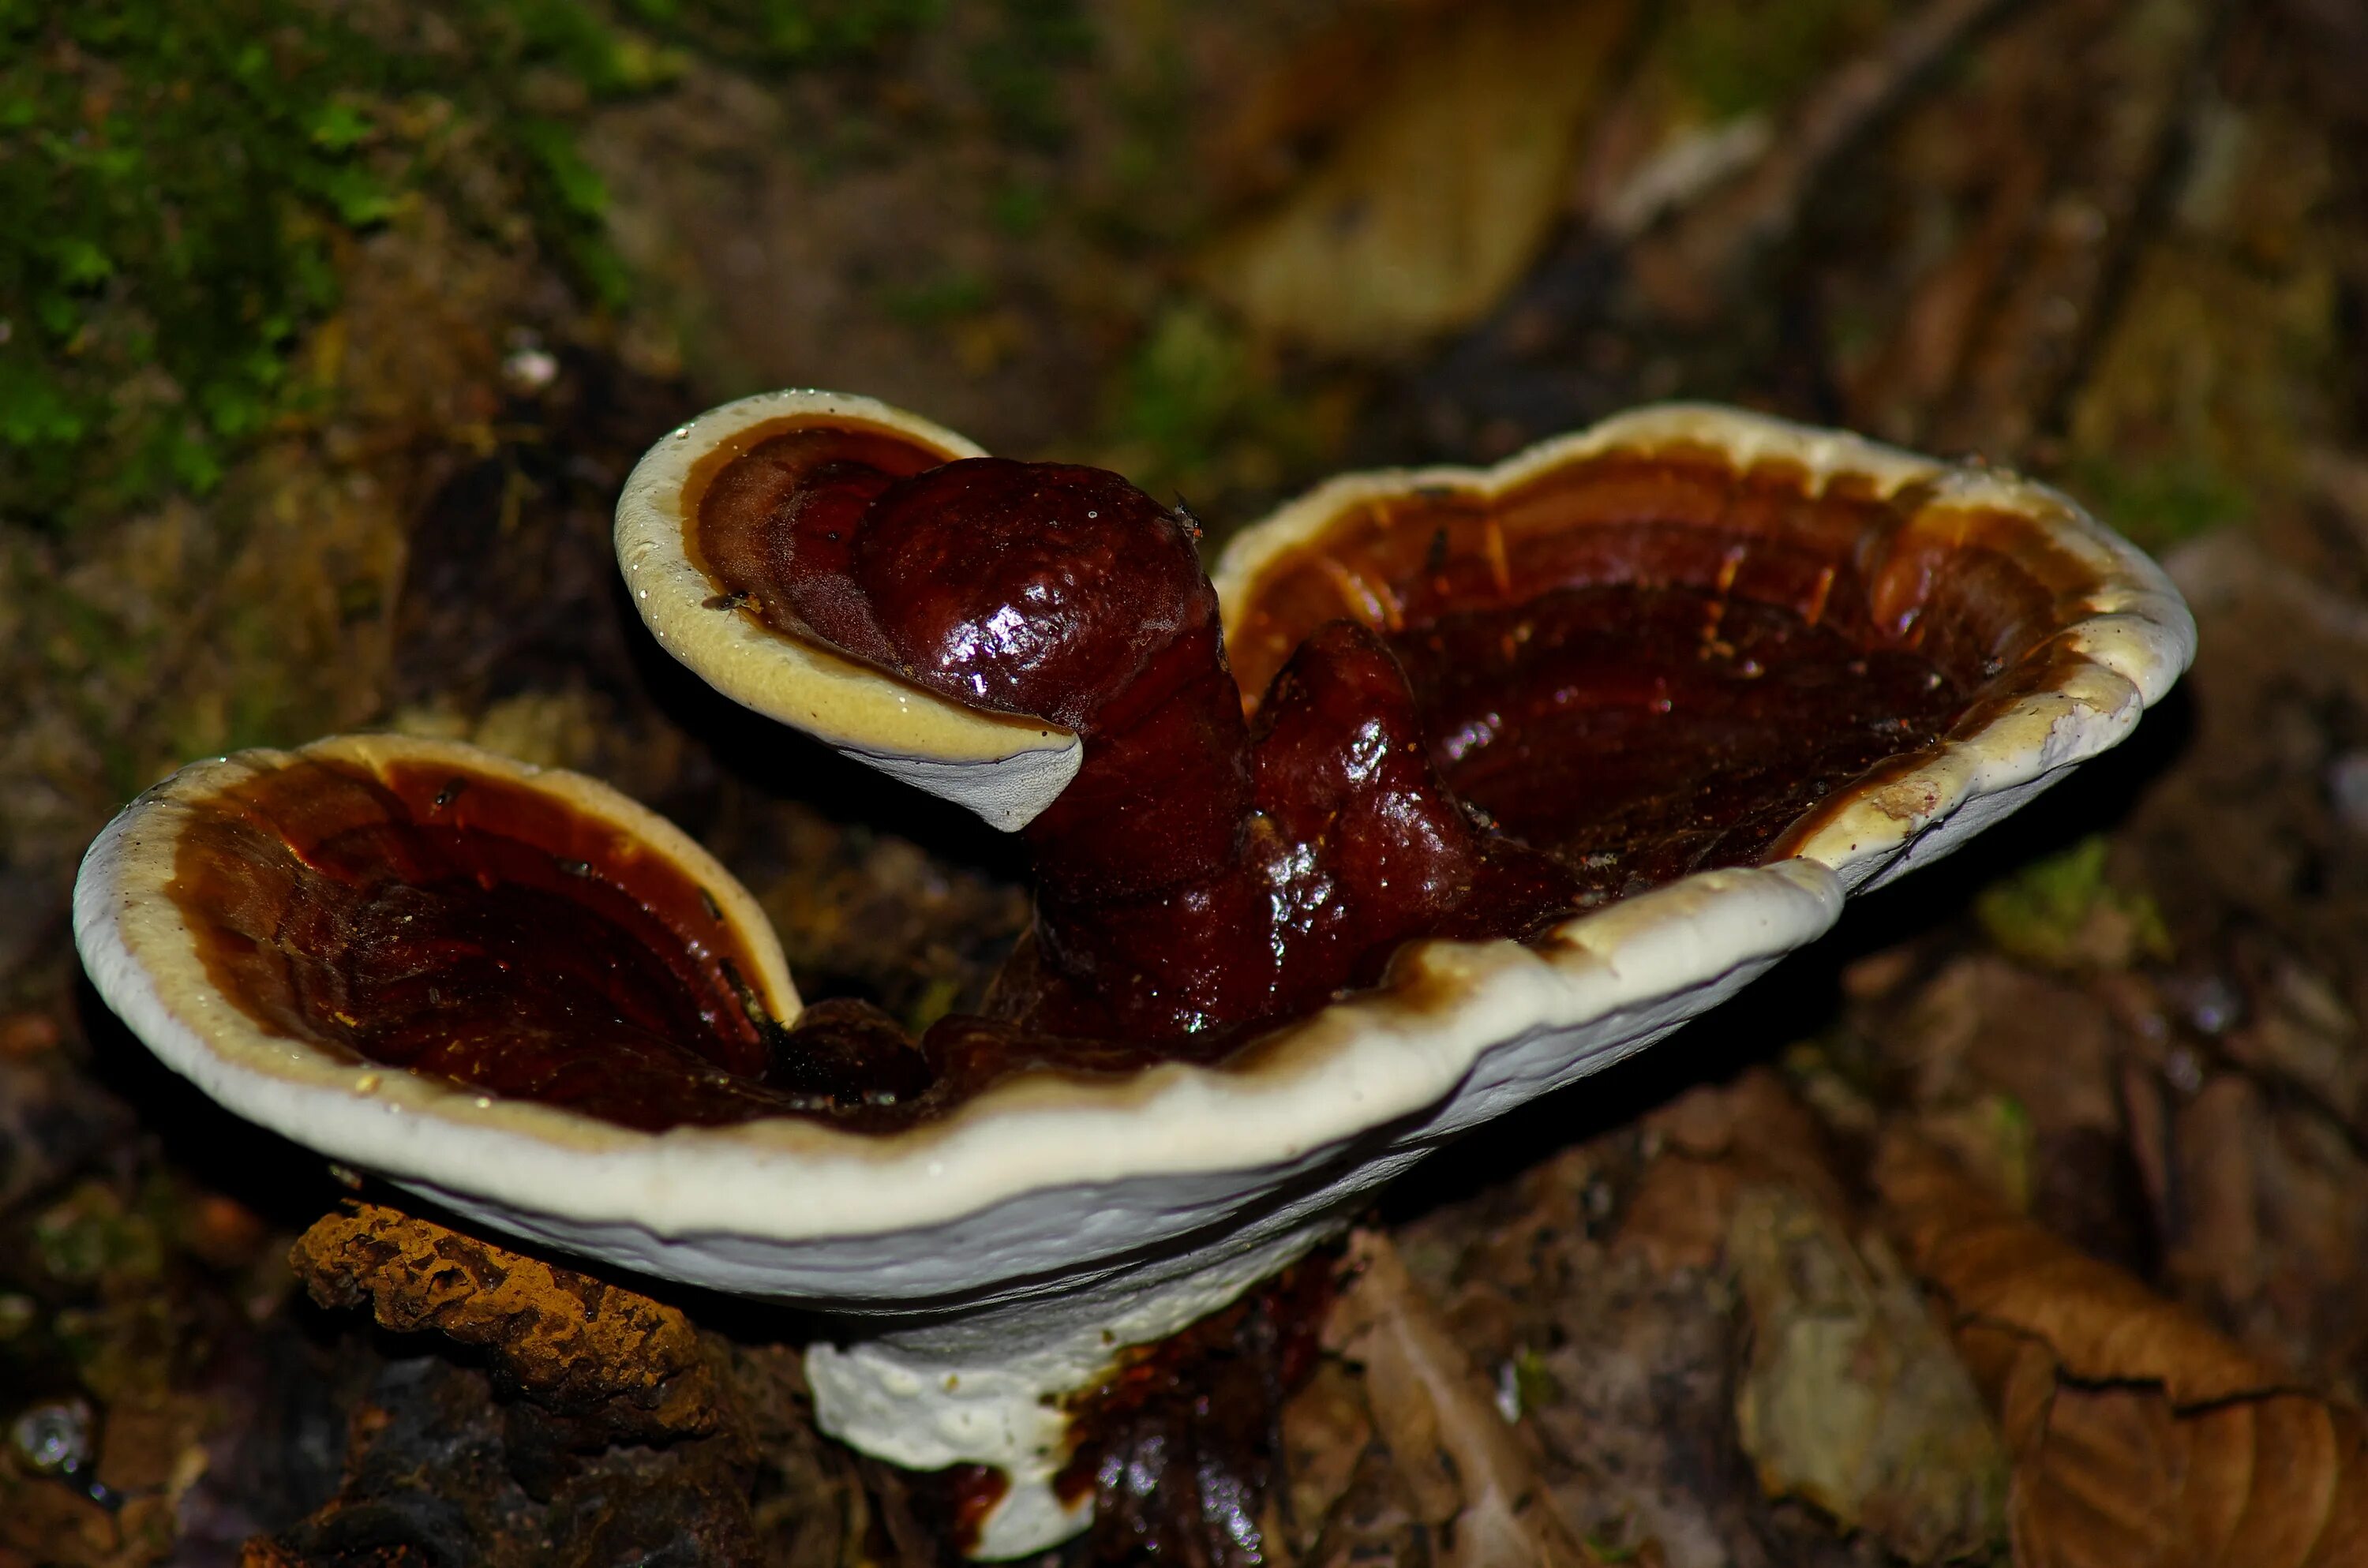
(1686, 263)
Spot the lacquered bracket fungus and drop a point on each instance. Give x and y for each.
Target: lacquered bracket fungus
(1511, 772)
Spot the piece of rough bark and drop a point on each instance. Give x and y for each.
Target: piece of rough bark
(569, 1343)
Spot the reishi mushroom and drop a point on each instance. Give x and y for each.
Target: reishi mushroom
(1511, 772)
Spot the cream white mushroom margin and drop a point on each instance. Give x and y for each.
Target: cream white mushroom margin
(2132, 630)
(1005, 769)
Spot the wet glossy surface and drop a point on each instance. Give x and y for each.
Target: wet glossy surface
(1643, 733)
(1971, 591)
(782, 509)
(1454, 756)
(1178, 1446)
(477, 930)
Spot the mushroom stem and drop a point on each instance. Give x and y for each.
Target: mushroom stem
(1140, 875)
(997, 1384)
(1343, 843)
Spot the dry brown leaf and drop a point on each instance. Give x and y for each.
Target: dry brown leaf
(1715, 1141)
(1852, 1399)
(1325, 1431)
(1372, 1522)
(2142, 1438)
(1678, 1215)
(1996, 1268)
(1984, 1024)
(1439, 196)
(1460, 1465)
(1758, 1124)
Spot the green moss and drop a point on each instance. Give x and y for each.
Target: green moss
(179, 179)
(1534, 1384)
(936, 1000)
(787, 32)
(89, 637)
(1016, 68)
(91, 1234)
(1018, 209)
(1198, 412)
(945, 299)
(1736, 56)
(122, 1348)
(154, 225)
(1187, 383)
(2064, 913)
(1137, 202)
(2159, 505)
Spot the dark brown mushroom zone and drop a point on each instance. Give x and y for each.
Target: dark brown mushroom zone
(477, 929)
(1653, 664)
(1444, 716)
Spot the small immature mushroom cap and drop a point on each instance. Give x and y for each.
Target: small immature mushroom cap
(1006, 767)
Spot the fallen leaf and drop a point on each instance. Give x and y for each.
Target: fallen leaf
(2303, 1032)
(2047, 1054)
(1991, 1135)
(1439, 196)
(1372, 1522)
(1982, 1024)
(2066, 913)
(1852, 1399)
(1459, 1463)
(2141, 1437)
(1325, 1431)
(1715, 1141)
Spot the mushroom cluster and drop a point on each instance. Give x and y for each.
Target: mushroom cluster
(1452, 786)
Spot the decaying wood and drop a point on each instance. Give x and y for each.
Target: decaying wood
(569, 1341)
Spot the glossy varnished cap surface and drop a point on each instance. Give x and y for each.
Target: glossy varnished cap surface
(1005, 769)
(2062, 631)
(1042, 1174)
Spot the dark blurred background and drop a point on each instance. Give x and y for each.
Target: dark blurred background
(328, 329)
